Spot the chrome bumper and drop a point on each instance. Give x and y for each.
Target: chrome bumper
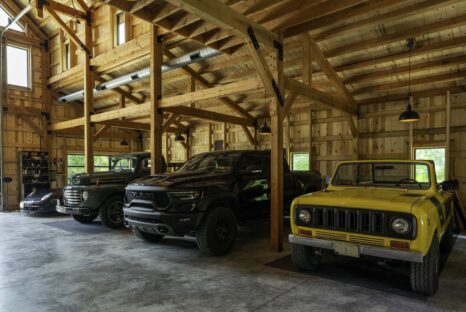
(411, 256)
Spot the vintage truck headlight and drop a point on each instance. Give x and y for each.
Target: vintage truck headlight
(401, 225)
(21, 205)
(304, 216)
(85, 195)
(45, 197)
(187, 195)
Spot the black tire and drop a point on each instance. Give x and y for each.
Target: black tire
(111, 213)
(217, 233)
(85, 219)
(150, 237)
(424, 277)
(305, 257)
(448, 241)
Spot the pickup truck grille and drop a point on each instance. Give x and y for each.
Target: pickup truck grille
(73, 197)
(353, 220)
(160, 199)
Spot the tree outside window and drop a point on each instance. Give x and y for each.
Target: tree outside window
(436, 154)
(300, 161)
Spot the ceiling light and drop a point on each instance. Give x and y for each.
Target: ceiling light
(409, 115)
(179, 138)
(124, 142)
(264, 129)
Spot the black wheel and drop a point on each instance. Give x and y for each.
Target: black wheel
(217, 233)
(150, 237)
(448, 240)
(85, 219)
(305, 257)
(111, 213)
(424, 277)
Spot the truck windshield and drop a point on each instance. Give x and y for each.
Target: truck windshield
(409, 175)
(214, 161)
(123, 164)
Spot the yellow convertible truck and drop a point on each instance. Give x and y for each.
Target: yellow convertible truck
(392, 210)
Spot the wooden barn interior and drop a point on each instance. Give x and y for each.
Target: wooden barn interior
(329, 78)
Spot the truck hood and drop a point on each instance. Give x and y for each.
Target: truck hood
(185, 179)
(364, 198)
(101, 177)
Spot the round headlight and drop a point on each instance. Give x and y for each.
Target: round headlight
(304, 216)
(401, 226)
(85, 195)
(21, 205)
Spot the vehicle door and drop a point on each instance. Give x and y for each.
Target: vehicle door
(288, 181)
(143, 167)
(252, 186)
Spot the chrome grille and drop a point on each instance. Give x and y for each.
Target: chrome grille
(73, 197)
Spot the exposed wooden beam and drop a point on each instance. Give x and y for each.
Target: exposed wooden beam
(169, 122)
(289, 101)
(14, 8)
(99, 133)
(249, 136)
(156, 118)
(119, 90)
(139, 5)
(66, 10)
(208, 115)
(68, 31)
(88, 98)
(225, 17)
(226, 100)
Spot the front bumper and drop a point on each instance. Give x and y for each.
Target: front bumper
(163, 223)
(411, 256)
(82, 211)
(36, 207)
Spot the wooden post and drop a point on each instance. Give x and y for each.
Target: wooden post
(276, 174)
(209, 141)
(156, 118)
(88, 100)
(307, 79)
(447, 136)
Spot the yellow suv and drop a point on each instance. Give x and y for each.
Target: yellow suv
(389, 209)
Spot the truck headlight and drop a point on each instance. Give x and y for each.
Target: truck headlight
(45, 197)
(85, 195)
(187, 195)
(304, 216)
(21, 205)
(401, 225)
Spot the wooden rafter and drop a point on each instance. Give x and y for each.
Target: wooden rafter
(208, 115)
(225, 17)
(139, 5)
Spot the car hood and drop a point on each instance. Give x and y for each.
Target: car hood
(365, 198)
(185, 179)
(101, 177)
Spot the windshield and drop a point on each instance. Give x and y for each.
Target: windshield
(123, 164)
(394, 175)
(214, 161)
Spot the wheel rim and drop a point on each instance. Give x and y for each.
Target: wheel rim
(115, 212)
(221, 231)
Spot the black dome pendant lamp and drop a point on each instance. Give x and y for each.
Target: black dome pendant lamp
(409, 115)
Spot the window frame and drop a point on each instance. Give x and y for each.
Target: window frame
(10, 18)
(110, 156)
(28, 66)
(125, 20)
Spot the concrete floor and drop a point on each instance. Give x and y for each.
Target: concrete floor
(45, 268)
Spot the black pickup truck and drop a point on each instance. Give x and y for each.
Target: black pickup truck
(101, 193)
(207, 197)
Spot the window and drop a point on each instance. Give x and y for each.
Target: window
(120, 28)
(75, 163)
(5, 19)
(17, 66)
(437, 154)
(67, 56)
(300, 161)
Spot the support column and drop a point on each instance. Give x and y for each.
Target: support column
(88, 100)
(447, 136)
(156, 118)
(276, 174)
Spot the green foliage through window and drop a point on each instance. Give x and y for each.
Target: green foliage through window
(300, 161)
(75, 163)
(438, 156)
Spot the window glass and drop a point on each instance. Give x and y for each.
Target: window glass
(5, 19)
(121, 31)
(402, 175)
(251, 163)
(17, 66)
(300, 161)
(437, 155)
(214, 161)
(124, 164)
(75, 163)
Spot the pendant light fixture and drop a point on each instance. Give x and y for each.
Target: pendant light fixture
(179, 138)
(124, 142)
(409, 115)
(264, 129)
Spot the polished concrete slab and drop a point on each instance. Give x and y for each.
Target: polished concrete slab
(54, 268)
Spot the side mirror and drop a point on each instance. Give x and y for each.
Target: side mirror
(252, 169)
(449, 185)
(327, 180)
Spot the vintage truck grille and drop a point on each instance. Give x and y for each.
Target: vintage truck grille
(73, 197)
(160, 199)
(360, 221)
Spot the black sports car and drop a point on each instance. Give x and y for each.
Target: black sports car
(41, 201)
